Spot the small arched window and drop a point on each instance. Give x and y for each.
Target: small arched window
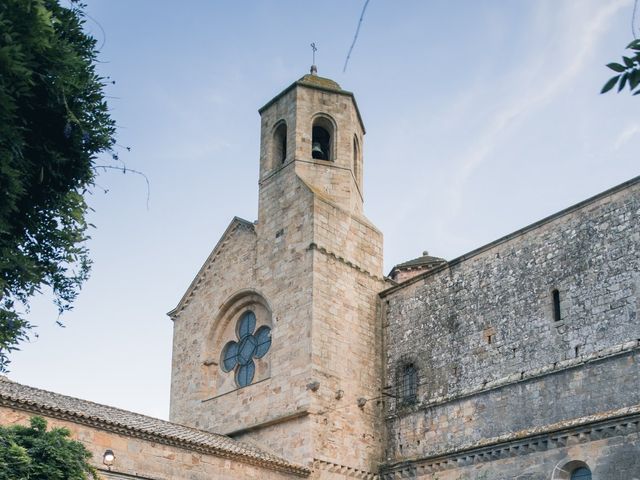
(322, 139)
(581, 473)
(356, 158)
(280, 144)
(409, 384)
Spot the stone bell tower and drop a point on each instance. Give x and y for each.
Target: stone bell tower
(315, 125)
(277, 340)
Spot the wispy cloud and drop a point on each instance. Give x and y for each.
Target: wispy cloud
(581, 38)
(626, 135)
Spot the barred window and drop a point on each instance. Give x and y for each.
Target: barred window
(409, 384)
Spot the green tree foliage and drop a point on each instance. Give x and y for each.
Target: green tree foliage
(53, 122)
(33, 453)
(628, 72)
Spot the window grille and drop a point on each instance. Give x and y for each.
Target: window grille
(409, 384)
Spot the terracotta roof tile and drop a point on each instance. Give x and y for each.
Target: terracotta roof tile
(422, 261)
(47, 403)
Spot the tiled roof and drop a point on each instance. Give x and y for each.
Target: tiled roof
(420, 261)
(322, 82)
(23, 397)
(319, 83)
(424, 260)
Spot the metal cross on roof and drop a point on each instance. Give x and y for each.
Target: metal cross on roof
(314, 49)
(314, 69)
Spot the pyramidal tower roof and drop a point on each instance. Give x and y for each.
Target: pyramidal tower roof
(313, 80)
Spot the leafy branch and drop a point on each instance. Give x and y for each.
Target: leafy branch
(628, 71)
(54, 122)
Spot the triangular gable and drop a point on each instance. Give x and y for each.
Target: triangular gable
(235, 224)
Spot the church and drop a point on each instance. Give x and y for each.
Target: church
(295, 356)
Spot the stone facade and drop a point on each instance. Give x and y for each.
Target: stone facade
(493, 358)
(149, 460)
(518, 360)
(313, 264)
(513, 346)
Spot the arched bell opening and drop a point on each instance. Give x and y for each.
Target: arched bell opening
(322, 134)
(280, 144)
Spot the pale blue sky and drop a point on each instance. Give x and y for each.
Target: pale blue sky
(482, 117)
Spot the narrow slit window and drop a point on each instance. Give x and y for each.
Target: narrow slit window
(356, 159)
(556, 305)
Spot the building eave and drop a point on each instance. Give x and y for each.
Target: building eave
(83, 412)
(299, 83)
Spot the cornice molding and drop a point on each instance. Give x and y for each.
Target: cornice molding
(341, 259)
(613, 423)
(349, 472)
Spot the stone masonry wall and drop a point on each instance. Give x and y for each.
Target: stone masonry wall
(481, 330)
(610, 452)
(346, 337)
(282, 111)
(279, 269)
(334, 179)
(234, 260)
(150, 460)
(552, 398)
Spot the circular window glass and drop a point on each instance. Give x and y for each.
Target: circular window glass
(239, 355)
(229, 356)
(244, 375)
(247, 324)
(263, 338)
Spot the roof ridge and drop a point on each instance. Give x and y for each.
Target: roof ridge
(102, 405)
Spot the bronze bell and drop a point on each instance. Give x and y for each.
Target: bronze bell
(317, 152)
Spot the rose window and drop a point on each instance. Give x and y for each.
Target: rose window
(239, 356)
